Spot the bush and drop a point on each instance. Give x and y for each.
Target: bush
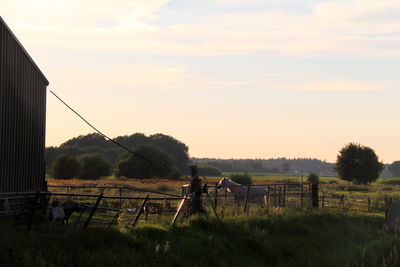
(333, 182)
(244, 179)
(65, 167)
(208, 170)
(313, 178)
(94, 166)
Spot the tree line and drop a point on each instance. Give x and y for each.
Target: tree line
(92, 156)
(285, 166)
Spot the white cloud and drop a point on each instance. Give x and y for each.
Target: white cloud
(363, 28)
(337, 86)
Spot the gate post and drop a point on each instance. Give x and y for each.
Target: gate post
(314, 196)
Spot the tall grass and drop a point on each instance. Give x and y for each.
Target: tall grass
(290, 238)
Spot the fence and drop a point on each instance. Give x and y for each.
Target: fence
(277, 195)
(341, 202)
(112, 205)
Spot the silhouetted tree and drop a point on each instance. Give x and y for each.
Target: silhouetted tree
(65, 167)
(134, 167)
(358, 164)
(177, 150)
(94, 166)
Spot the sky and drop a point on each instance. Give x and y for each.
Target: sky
(229, 78)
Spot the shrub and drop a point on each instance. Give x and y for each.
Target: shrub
(94, 166)
(65, 167)
(313, 178)
(333, 182)
(244, 179)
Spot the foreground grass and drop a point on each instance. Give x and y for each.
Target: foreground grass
(293, 238)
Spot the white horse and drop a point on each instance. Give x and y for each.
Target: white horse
(256, 193)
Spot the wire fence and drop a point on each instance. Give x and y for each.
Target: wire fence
(127, 207)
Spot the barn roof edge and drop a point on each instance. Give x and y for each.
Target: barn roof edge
(25, 52)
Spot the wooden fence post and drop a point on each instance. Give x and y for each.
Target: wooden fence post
(280, 197)
(121, 200)
(284, 196)
(79, 217)
(117, 214)
(33, 210)
(302, 195)
(323, 202)
(314, 195)
(93, 211)
(369, 204)
(140, 211)
(178, 211)
(245, 200)
(388, 208)
(341, 203)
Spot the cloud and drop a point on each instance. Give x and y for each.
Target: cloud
(357, 28)
(337, 86)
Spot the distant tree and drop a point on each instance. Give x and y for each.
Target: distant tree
(313, 178)
(134, 167)
(94, 166)
(244, 179)
(394, 168)
(358, 164)
(208, 170)
(257, 165)
(89, 140)
(285, 167)
(65, 167)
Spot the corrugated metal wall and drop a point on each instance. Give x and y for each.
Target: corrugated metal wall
(22, 117)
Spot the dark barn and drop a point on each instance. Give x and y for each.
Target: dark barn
(22, 118)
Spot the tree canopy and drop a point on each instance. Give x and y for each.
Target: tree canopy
(96, 143)
(134, 167)
(66, 167)
(94, 166)
(358, 164)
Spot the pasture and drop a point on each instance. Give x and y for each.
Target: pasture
(281, 235)
(285, 238)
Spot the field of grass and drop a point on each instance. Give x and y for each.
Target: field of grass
(289, 238)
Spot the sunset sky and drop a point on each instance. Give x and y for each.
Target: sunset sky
(230, 78)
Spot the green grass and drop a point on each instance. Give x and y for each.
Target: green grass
(290, 238)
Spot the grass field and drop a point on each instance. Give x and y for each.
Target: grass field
(289, 238)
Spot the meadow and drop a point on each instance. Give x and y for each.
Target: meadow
(285, 238)
(273, 237)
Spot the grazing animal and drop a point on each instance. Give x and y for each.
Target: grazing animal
(157, 208)
(62, 211)
(256, 193)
